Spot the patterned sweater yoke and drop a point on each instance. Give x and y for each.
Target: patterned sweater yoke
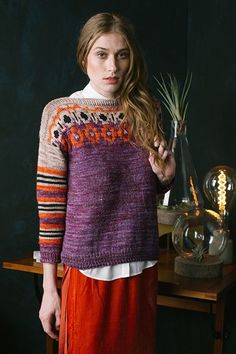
(96, 190)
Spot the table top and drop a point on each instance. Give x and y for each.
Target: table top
(169, 283)
(211, 289)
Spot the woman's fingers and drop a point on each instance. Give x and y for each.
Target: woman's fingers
(57, 322)
(163, 152)
(158, 143)
(48, 324)
(164, 173)
(50, 314)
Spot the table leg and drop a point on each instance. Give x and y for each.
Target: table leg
(51, 345)
(38, 288)
(219, 326)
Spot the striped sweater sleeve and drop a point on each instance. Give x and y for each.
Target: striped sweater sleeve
(51, 188)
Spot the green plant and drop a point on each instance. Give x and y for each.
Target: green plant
(174, 98)
(198, 253)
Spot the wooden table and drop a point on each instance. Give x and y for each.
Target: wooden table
(205, 295)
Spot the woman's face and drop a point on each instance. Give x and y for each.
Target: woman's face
(107, 63)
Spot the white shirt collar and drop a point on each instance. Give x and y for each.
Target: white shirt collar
(89, 92)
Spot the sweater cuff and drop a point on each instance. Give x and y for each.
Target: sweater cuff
(52, 255)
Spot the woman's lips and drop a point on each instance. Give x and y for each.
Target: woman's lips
(111, 80)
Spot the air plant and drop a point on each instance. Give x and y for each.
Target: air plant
(198, 253)
(174, 98)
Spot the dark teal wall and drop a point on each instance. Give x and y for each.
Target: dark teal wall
(37, 63)
(212, 110)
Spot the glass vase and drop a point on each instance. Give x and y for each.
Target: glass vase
(185, 194)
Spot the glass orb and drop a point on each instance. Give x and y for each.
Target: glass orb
(198, 233)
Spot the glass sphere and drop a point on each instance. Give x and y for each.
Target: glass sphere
(198, 233)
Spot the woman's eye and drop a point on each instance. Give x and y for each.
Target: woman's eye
(123, 55)
(101, 54)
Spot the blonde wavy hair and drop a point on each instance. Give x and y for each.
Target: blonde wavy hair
(141, 110)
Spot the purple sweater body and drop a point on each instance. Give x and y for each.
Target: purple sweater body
(108, 189)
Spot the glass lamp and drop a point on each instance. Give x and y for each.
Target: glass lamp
(219, 186)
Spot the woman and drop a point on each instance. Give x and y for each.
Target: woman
(102, 161)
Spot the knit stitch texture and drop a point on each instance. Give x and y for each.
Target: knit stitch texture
(96, 190)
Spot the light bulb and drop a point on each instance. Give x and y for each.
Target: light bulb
(219, 186)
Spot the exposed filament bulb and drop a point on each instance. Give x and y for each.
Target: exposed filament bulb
(221, 192)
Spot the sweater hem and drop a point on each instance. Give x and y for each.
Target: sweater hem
(106, 260)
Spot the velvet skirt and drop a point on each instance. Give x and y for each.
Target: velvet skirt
(108, 317)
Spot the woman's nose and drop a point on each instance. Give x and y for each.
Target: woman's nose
(112, 64)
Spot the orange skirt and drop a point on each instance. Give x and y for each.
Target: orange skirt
(108, 317)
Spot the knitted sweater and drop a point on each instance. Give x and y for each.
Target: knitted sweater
(96, 190)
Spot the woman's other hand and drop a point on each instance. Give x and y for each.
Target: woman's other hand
(50, 310)
(166, 172)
